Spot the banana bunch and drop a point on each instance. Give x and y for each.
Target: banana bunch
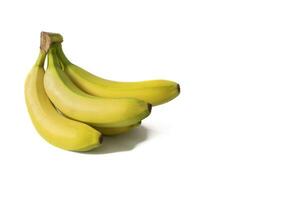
(73, 109)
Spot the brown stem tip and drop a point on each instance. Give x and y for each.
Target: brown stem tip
(48, 38)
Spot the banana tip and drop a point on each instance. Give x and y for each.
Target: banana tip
(178, 88)
(101, 139)
(149, 107)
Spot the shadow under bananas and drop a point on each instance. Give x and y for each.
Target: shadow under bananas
(123, 142)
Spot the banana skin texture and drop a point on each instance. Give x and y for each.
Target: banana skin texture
(155, 92)
(78, 105)
(52, 126)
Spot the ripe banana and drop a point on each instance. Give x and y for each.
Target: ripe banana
(78, 105)
(155, 92)
(111, 131)
(116, 130)
(52, 126)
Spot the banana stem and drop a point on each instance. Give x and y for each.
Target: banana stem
(61, 54)
(51, 57)
(47, 39)
(41, 59)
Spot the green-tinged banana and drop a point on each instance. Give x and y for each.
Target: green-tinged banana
(154, 92)
(78, 105)
(117, 130)
(52, 126)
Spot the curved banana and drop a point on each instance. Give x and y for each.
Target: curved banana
(155, 92)
(76, 104)
(111, 131)
(117, 130)
(52, 126)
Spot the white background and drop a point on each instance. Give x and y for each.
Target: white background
(233, 133)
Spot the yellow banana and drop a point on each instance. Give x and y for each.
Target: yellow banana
(78, 105)
(52, 126)
(111, 131)
(117, 130)
(154, 92)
